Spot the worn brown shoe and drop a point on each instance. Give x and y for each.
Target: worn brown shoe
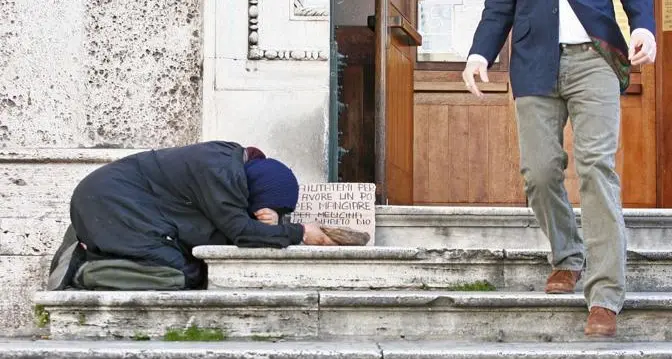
(601, 323)
(562, 281)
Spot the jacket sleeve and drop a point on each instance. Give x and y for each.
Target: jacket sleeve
(492, 30)
(640, 14)
(223, 199)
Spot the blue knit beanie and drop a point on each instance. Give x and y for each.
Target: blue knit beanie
(271, 185)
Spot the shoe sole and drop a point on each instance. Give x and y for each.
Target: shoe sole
(600, 336)
(560, 292)
(600, 333)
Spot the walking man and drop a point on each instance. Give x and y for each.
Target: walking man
(570, 60)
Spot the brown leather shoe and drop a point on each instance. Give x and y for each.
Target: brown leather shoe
(562, 281)
(601, 323)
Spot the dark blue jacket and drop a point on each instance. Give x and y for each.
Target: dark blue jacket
(535, 54)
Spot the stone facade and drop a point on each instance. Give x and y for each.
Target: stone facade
(111, 74)
(85, 82)
(267, 79)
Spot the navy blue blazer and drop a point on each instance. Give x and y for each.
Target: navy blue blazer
(535, 54)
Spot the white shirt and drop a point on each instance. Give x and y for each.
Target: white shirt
(571, 30)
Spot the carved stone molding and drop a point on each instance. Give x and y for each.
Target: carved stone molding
(255, 52)
(300, 10)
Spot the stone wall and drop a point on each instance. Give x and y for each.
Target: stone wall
(35, 188)
(95, 73)
(82, 82)
(85, 82)
(33, 215)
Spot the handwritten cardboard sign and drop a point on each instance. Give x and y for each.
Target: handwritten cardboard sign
(349, 205)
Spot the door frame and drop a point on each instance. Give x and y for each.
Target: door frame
(663, 108)
(333, 138)
(380, 114)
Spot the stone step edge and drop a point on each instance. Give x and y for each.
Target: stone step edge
(213, 254)
(437, 216)
(65, 155)
(316, 299)
(422, 216)
(330, 349)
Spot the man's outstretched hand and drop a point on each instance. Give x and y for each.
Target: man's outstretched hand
(313, 236)
(475, 66)
(642, 47)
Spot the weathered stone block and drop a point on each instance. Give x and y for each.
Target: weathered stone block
(280, 132)
(161, 350)
(490, 317)
(42, 81)
(351, 315)
(31, 236)
(405, 268)
(493, 227)
(143, 72)
(584, 350)
(35, 191)
(100, 74)
(83, 314)
(21, 277)
(401, 349)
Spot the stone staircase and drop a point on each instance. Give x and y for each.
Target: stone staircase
(440, 283)
(347, 315)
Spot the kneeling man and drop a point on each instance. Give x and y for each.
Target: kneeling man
(136, 220)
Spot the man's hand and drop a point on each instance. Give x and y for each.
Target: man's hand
(642, 47)
(475, 65)
(313, 236)
(267, 216)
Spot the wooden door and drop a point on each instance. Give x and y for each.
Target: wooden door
(396, 40)
(466, 149)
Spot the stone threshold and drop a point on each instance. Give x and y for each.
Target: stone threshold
(312, 299)
(433, 300)
(367, 253)
(347, 315)
(486, 317)
(331, 350)
(421, 216)
(500, 227)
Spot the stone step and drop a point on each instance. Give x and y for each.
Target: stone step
(406, 268)
(495, 227)
(346, 315)
(330, 350)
